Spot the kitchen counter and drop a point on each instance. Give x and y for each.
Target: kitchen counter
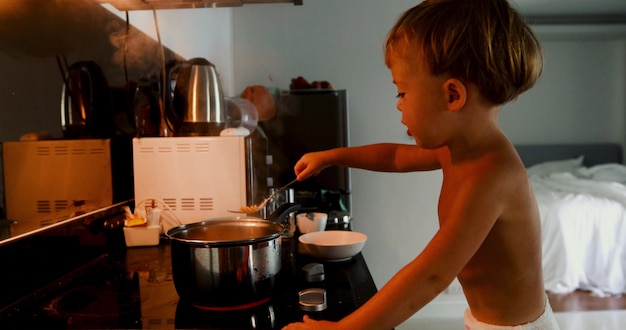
(133, 288)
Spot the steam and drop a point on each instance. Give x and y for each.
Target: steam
(74, 28)
(134, 49)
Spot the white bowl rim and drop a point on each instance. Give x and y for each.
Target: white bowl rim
(358, 237)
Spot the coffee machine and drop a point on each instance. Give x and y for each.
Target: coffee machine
(306, 121)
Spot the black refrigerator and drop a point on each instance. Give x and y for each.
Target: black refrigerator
(305, 121)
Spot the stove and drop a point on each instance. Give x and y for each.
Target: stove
(99, 294)
(132, 288)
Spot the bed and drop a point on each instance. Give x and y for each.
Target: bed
(581, 194)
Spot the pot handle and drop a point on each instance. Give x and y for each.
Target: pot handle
(283, 211)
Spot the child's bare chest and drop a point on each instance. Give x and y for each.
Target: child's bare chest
(447, 196)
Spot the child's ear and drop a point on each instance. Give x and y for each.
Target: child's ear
(456, 94)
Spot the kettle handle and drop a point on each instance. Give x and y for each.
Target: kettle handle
(170, 113)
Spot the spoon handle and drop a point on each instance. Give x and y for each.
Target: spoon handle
(284, 187)
(269, 198)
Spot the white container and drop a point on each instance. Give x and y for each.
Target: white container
(142, 235)
(310, 222)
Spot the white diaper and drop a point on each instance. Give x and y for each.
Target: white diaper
(545, 322)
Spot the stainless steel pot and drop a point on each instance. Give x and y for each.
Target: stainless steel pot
(227, 263)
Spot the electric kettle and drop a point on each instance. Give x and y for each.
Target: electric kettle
(147, 108)
(86, 110)
(196, 101)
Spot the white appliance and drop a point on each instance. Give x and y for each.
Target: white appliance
(195, 178)
(49, 181)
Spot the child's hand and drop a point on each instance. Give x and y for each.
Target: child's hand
(308, 323)
(309, 165)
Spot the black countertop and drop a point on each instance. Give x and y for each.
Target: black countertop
(348, 285)
(82, 276)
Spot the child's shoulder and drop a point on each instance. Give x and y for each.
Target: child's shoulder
(496, 163)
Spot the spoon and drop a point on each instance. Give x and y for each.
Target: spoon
(255, 208)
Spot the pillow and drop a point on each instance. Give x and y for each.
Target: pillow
(606, 172)
(556, 166)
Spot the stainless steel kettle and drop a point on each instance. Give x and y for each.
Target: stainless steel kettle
(86, 110)
(196, 101)
(147, 108)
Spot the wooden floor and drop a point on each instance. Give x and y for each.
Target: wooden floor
(585, 301)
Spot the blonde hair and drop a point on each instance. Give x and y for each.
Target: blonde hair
(484, 42)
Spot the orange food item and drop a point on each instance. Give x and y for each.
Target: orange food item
(249, 209)
(262, 100)
(135, 221)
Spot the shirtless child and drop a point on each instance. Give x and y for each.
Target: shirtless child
(455, 63)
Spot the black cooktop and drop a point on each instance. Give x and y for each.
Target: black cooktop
(133, 289)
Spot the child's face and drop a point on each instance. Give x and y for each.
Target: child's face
(421, 99)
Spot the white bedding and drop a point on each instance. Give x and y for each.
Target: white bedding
(584, 228)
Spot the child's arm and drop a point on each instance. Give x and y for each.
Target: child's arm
(382, 157)
(472, 213)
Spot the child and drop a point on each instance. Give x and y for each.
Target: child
(455, 63)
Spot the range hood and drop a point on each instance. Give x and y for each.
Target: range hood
(127, 5)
